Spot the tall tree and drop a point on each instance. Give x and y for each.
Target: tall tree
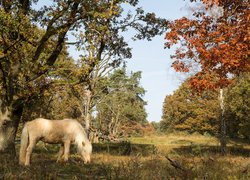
(122, 104)
(104, 48)
(28, 54)
(210, 41)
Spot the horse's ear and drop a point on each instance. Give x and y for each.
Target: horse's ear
(83, 143)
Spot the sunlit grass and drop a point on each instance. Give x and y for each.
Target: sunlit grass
(175, 139)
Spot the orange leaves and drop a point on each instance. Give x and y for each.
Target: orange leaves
(174, 39)
(200, 83)
(180, 67)
(175, 34)
(210, 1)
(205, 81)
(219, 45)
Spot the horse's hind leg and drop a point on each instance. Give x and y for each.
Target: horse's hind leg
(32, 143)
(60, 153)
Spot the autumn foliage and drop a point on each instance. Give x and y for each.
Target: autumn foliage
(185, 111)
(214, 42)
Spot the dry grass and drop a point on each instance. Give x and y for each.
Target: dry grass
(169, 143)
(196, 155)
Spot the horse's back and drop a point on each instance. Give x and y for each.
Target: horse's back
(42, 124)
(47, 122)
(38, 122)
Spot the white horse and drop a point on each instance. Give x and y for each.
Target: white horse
(62, 132)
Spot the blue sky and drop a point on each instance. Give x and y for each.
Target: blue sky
(150, 57)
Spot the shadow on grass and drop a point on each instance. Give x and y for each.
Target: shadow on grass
(196, 149)
(125, 149)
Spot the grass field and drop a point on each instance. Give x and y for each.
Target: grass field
(189, 157)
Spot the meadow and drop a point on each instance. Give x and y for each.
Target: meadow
(173, 156)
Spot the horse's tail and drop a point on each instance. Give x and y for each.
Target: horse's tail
(24, 145)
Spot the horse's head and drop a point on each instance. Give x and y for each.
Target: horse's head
(86, 151)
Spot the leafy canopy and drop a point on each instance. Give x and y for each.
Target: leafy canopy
(217, 42)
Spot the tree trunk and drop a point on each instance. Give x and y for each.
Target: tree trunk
(87, 115)
(87, 123)
(223, 142)
(9, 121)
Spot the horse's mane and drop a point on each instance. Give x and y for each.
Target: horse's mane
(83, 142)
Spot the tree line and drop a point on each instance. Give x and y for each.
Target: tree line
(186, 110)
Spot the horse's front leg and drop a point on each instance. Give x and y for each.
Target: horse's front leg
(66, 150)
(60, 153)
(32, 143)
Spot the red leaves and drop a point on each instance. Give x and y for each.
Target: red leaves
(220, 46)
(180, 67)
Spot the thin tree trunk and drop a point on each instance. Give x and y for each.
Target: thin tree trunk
(87, 123)
(87, 115)
(223, 142)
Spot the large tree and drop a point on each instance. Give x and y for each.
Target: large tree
(28, 54)
(103, 46)
(214, 42)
